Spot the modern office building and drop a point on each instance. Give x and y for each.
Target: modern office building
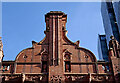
(116, 7)
(102, 48)
(110, 19)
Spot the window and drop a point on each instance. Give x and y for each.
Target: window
(44, 66)
(67, 61)
(67, 57)
(44, 63)
(67, 66)
(0, 48)
(5, 68)
(25, 57)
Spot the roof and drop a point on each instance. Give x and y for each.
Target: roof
(55, 13)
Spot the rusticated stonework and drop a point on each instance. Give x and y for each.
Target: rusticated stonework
(56, 58)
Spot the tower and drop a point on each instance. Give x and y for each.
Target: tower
(55, 26)
(114, 57)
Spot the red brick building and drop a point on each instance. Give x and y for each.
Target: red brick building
(56, 58)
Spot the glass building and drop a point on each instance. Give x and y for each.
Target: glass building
(116, 7)
(102, 48)
(109, 20)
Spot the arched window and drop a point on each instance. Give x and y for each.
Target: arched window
(67, 60)
(67, 57)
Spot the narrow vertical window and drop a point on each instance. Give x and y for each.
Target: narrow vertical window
(44, 66)
(67, 62)
(67, 66)
(44, 63)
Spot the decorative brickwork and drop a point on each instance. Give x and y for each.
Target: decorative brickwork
(56, 58)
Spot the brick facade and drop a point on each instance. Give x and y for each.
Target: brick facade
(56, 58)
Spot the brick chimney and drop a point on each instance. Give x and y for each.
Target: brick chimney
(55, 24)
(55, 30)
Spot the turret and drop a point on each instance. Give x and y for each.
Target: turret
(114, 57)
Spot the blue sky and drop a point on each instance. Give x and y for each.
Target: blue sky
(23, 22)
